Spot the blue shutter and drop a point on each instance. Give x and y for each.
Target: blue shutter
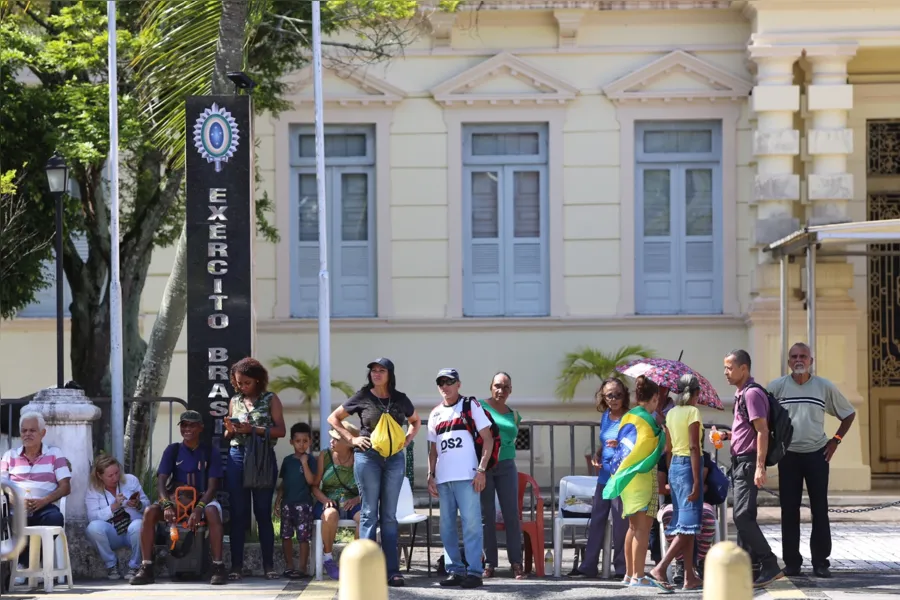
(656, 248)
(353, 282)
(305, 297)
(44, 304)
(483, 270)
(525, 234)
(701, 283)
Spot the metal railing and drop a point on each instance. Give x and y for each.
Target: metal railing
(10, 410)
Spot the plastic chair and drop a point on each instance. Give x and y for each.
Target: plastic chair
(318, 555)
(532, 531)
(570, 485)
(48, 557)
(407, 515)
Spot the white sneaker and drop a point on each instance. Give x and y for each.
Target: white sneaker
(112, 573)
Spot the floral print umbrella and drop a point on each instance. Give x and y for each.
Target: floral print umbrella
(666, 373)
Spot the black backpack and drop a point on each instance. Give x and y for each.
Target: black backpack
(780, 428)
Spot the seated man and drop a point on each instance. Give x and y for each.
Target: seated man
(41, 472)
(192, 464)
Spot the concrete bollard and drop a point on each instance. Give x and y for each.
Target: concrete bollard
(727, 573)
(363, 572)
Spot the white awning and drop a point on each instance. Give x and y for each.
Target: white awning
(832, 238)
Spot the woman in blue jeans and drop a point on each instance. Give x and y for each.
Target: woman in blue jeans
(255, 411)
(380, 479)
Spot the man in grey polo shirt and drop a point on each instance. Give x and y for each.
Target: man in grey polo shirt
(807, 398)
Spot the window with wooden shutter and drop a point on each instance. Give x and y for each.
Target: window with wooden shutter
(678, 200)
(350, 194)
(44, 304)
(505, 270)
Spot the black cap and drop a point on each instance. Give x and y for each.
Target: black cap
(451, 373)
(190, 416)
(384, 362)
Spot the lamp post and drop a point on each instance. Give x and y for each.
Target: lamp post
(58, 180)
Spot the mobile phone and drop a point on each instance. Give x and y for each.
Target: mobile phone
(235, 420)
(135, 496)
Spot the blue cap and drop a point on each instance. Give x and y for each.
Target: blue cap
(451, 373)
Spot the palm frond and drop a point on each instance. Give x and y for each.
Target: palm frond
(588, 363)
(304, 379)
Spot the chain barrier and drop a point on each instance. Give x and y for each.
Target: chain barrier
(845, 511)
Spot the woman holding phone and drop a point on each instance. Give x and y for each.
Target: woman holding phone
(115, 502)
(253, 411)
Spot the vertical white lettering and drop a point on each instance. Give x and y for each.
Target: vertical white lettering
(217, 195)
(217, 321)
(217, 300)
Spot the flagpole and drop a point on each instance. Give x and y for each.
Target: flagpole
(324, 285)
(117, 414)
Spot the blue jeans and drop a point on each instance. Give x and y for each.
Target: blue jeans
(686, 516)
(380, 480)
(102, 534)
(460, 497)
(241, 499)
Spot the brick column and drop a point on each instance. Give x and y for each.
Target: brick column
(776, 142)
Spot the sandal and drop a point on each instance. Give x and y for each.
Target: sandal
(272, 575)
(519, 572)
(488, 572)
(291, 574)
(396, 581)
(235, 576)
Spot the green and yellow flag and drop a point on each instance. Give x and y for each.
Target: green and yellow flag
(640, 444)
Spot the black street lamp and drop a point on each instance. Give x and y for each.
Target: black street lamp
(58, 179)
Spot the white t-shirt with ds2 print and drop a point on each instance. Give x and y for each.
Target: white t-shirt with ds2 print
(456, 459)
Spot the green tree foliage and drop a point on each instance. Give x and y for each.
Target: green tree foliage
(589, 363)
(303, 378)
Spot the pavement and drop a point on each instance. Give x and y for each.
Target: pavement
(865, 563)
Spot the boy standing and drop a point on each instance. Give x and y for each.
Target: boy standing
(294, 500)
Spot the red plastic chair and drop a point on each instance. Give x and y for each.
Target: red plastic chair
(532, 531)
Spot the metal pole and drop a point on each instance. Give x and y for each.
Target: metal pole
(60, 354)
(811, 301)
(117, 414)
(784, 314)
(324, 286)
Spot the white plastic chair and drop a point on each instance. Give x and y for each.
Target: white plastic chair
(407, 515)
(318, 544)
(721, 529)
(48, 557)
(582, 486)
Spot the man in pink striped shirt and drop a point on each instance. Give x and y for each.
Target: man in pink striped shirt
(41, 471)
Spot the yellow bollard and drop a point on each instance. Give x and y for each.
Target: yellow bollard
(727, 573)
(363, 572)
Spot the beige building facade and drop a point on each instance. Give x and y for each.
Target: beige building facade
(532, 177)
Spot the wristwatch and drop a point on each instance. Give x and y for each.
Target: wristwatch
(837, 439)
(480, 470)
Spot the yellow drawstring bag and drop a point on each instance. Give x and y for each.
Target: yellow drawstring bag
(388, 437)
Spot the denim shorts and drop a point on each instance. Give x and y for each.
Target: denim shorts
(686, 516)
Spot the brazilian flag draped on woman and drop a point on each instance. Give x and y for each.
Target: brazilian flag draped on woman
(640, 444)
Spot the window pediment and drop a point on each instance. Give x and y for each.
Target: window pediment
(678, 76)
(504, 80)
(346, 88)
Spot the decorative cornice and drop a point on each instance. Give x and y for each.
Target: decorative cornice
(460, 90)
(374, 90)
(592, 5)
(717, 83)
(568, 22)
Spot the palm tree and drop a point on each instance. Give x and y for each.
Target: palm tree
(305, 379)
(590, 362)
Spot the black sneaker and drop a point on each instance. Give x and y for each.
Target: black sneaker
(823, 572)
(144, 575)
(471, 581)
(791, 571)
(453, 580)
(219, 576)
(768, 575)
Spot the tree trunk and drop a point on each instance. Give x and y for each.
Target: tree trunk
(157, 360)
(170, 319)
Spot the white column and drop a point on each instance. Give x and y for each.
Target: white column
(69, 415)
(829, 141)
(776, 142)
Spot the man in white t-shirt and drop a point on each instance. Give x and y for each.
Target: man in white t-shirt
(456, 477)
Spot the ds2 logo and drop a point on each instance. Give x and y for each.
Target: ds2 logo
(451, 444)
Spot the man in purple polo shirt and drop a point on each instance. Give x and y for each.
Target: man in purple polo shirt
(749, 437)
(199, 466)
